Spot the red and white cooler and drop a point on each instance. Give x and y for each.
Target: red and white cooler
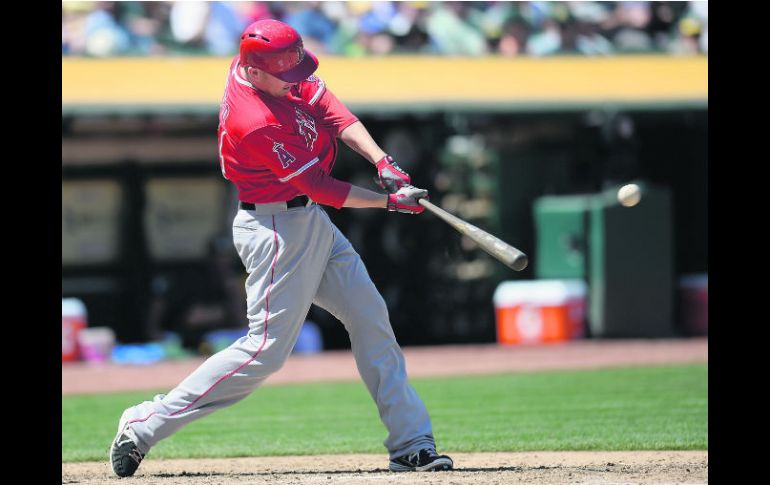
(73, 320)
(540, 311)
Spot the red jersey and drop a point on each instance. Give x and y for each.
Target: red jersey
(274, 149)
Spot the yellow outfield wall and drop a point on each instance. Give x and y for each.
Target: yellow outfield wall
(403, 80)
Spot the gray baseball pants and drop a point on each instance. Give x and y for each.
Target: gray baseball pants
(294, 258)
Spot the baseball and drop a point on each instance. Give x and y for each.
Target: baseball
(629, 195)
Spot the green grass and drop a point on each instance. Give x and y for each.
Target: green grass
(643, 408)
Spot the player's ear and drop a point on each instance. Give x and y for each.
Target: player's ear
(250, 72)
(256, 73)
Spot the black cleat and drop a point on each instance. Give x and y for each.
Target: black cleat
(425, 460)
(124, 454)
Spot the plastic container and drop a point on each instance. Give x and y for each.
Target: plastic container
(96, 344)
(693, 296)
(74, 318)
(137, 354)
(540, 311)
(310, 339)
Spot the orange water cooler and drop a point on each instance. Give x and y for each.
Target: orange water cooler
(540, 311)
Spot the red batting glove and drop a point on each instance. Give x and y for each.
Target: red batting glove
(405, 200)
(391, 176)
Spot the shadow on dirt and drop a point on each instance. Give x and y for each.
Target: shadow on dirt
(335, 472)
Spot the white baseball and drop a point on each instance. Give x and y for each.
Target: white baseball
(629, 195)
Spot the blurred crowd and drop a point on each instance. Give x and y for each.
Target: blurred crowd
(357, 28)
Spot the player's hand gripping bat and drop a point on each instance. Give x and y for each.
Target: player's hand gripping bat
(501, 250)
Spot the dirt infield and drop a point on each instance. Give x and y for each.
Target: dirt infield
(638, 467)
(643, 467)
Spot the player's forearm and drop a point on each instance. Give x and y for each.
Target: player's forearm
(362, 198)
(357, 137)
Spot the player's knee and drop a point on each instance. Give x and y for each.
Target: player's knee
(373, 310)
(375, 305)
(266, 365)
(269, 356)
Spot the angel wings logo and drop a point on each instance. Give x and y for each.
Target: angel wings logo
(306, 126)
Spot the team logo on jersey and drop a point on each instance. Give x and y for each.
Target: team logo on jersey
(306, 125)
(284, 156)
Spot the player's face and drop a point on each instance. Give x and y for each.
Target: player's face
(269, 83)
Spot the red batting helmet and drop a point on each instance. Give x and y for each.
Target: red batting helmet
(276, 48)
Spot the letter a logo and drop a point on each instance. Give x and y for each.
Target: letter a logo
(284, 156)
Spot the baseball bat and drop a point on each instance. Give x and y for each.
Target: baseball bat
(504, 252)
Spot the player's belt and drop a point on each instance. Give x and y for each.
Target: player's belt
(299, 201)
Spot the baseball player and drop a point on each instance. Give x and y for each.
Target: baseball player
(278, 131)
